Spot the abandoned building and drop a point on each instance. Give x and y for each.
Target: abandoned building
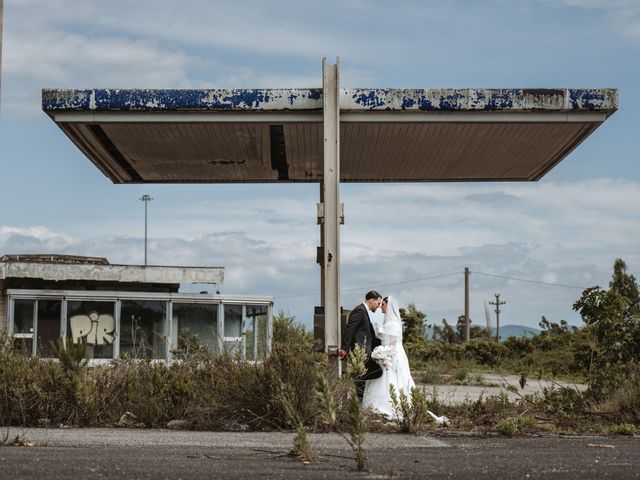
(123, 310)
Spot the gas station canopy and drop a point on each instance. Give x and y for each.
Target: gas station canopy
(276, 135)
(328, 135)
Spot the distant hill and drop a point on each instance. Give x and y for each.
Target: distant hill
(506, 331)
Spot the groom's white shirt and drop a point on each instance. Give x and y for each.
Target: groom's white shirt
(375, 318)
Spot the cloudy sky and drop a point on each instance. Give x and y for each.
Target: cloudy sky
(550, 239)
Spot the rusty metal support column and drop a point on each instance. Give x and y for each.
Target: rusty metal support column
(331, 211)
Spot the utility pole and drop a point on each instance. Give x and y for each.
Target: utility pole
(497, 303)
(467, 327)
(146, 199)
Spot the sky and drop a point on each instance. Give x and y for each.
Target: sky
(536, 244)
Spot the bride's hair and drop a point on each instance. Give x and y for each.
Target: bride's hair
(385, 299)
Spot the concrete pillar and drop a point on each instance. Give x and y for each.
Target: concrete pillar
(331, 211)
(321, 260)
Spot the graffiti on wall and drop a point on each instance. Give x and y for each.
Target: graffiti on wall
(95, 328)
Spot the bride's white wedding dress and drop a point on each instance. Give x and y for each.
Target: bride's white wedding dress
(376, 392)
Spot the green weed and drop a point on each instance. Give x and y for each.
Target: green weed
(506, 428)
(411, 411)
(527, 422)
(623, 429)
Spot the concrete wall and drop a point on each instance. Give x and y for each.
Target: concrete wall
(111, 273)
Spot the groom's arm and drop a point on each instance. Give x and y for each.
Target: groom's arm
(355, 319)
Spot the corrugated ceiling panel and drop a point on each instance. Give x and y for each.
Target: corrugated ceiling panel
(453, 151)
(304, 151)
(197, 152)
(370, 151)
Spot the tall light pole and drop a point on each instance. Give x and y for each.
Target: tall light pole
(146, 199)
(467, 326)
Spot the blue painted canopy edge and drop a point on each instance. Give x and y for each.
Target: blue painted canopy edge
(425, 100)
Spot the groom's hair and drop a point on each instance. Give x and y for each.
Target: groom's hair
(372, 295)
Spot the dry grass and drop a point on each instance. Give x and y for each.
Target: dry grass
(223, 393)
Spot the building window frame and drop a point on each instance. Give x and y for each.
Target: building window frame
(64, 296)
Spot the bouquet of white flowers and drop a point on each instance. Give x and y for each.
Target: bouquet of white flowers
(384, 355)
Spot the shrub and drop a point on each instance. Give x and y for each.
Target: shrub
(189, 348)
(564, 402)
(613, 319)
(287, 331)
(429, 375)
(244, 395)
(623, 405)
(210, 392)
(460, 375)
(485, 351)
(453, 351)
(518, 346)
(484, 412)
(424, 350)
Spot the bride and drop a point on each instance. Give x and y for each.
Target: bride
(396, 373)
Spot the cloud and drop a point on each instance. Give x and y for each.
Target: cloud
(492, 197)
(31, 240)
(62, 59)
(251, 263)
(555, 234)
(286, 27)
(71, 45)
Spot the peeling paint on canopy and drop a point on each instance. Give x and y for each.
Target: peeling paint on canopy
(180, 100)
(276, 135)
(479, 99)
(426, 100)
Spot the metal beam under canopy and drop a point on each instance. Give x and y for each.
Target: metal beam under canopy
(276, 135)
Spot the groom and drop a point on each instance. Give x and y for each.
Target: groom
(359, 330)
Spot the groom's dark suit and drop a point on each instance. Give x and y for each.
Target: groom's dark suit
(359, 330)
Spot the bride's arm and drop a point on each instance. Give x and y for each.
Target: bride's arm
(394, 341)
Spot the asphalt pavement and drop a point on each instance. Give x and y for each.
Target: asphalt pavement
(166, 454)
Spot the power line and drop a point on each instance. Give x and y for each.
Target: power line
(378, 285)
(530, 281)
(416, 280)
